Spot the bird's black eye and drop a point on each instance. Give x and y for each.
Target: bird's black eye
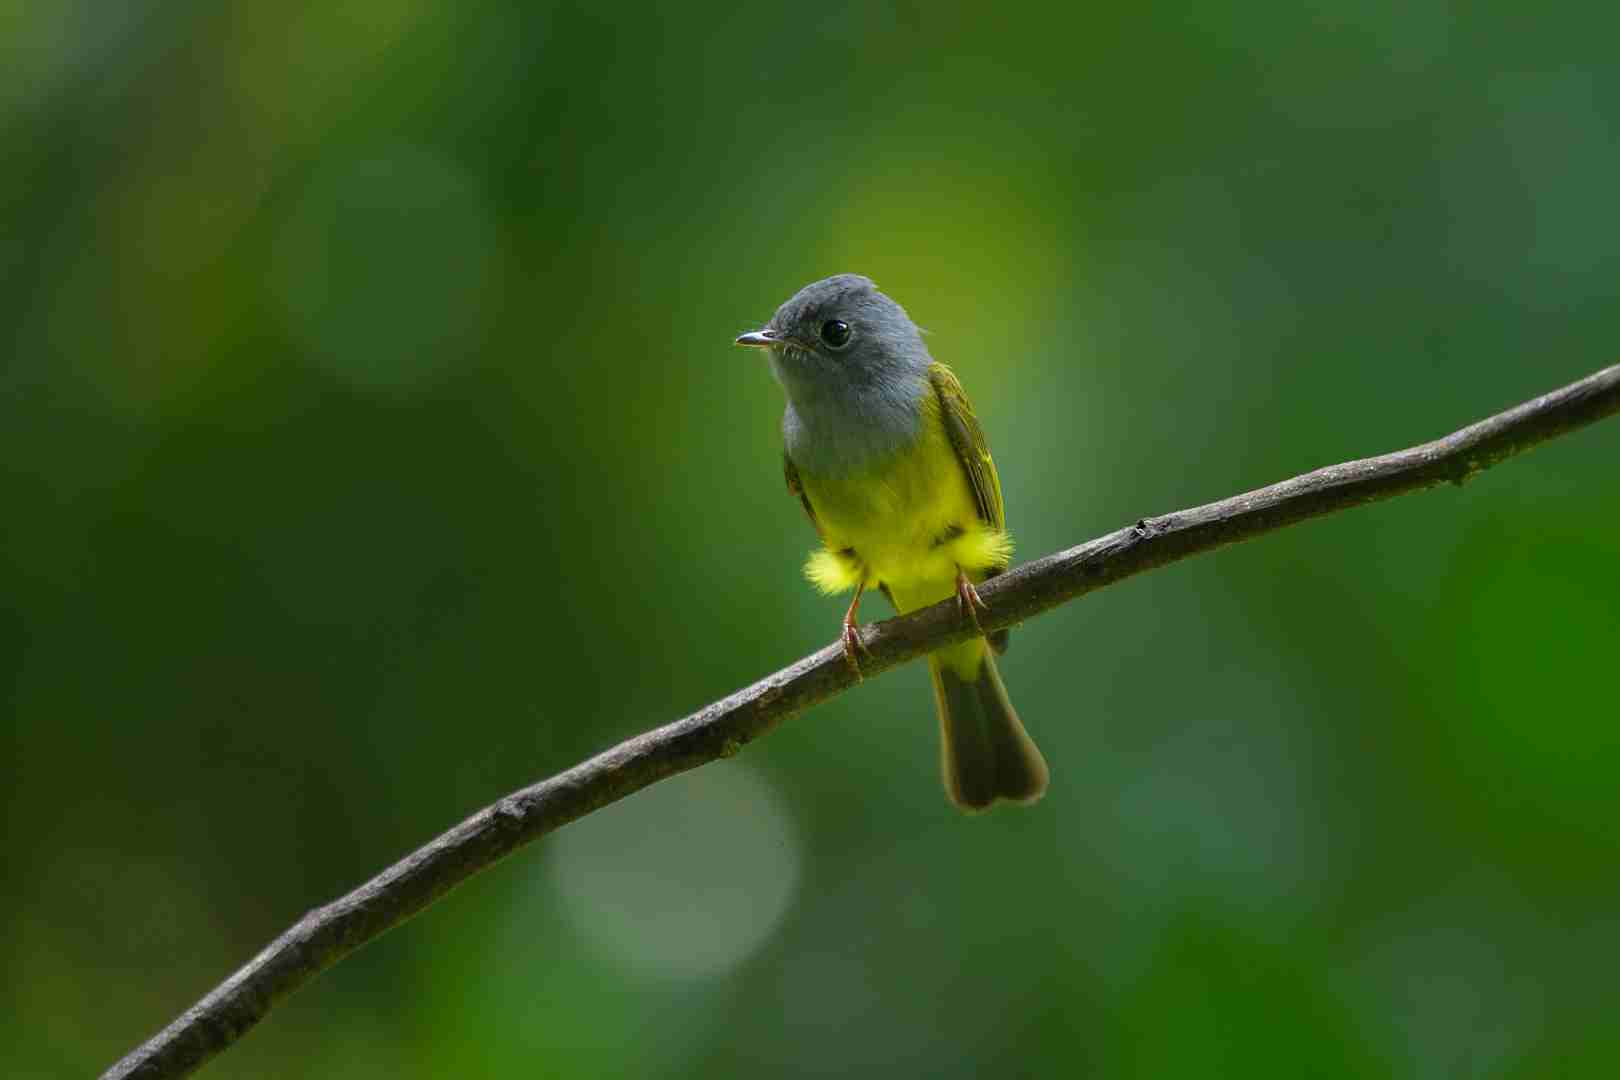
(835, 332)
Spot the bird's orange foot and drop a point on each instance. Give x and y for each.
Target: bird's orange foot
(853, 647)
(968, 601)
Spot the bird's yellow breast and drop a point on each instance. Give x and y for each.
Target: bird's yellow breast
(907, 521)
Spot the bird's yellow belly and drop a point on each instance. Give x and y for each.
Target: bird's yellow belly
(907, 522)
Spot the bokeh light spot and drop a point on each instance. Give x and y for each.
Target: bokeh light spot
(684, 880)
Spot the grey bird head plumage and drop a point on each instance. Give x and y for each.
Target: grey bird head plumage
(854, 368)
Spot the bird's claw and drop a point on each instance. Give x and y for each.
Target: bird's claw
(850, 638)
(968, 601)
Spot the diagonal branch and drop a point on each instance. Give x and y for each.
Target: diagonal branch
(327, 934)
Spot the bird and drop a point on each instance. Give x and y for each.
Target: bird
(883, 451)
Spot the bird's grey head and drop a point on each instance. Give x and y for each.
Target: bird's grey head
(841, 335)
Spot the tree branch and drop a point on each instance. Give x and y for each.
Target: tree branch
(327, 934)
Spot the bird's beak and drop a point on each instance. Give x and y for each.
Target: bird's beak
(760, 339)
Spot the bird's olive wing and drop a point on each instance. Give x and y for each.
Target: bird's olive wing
(791, 472)
(973, 451)
(967, 438)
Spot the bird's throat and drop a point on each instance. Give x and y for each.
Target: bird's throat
(834, 427)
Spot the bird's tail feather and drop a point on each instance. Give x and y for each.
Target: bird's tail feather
(986, 754)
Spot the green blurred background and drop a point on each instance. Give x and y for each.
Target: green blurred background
(372, 443)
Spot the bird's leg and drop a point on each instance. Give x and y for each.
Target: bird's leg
(851, 636)
(968, 601)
